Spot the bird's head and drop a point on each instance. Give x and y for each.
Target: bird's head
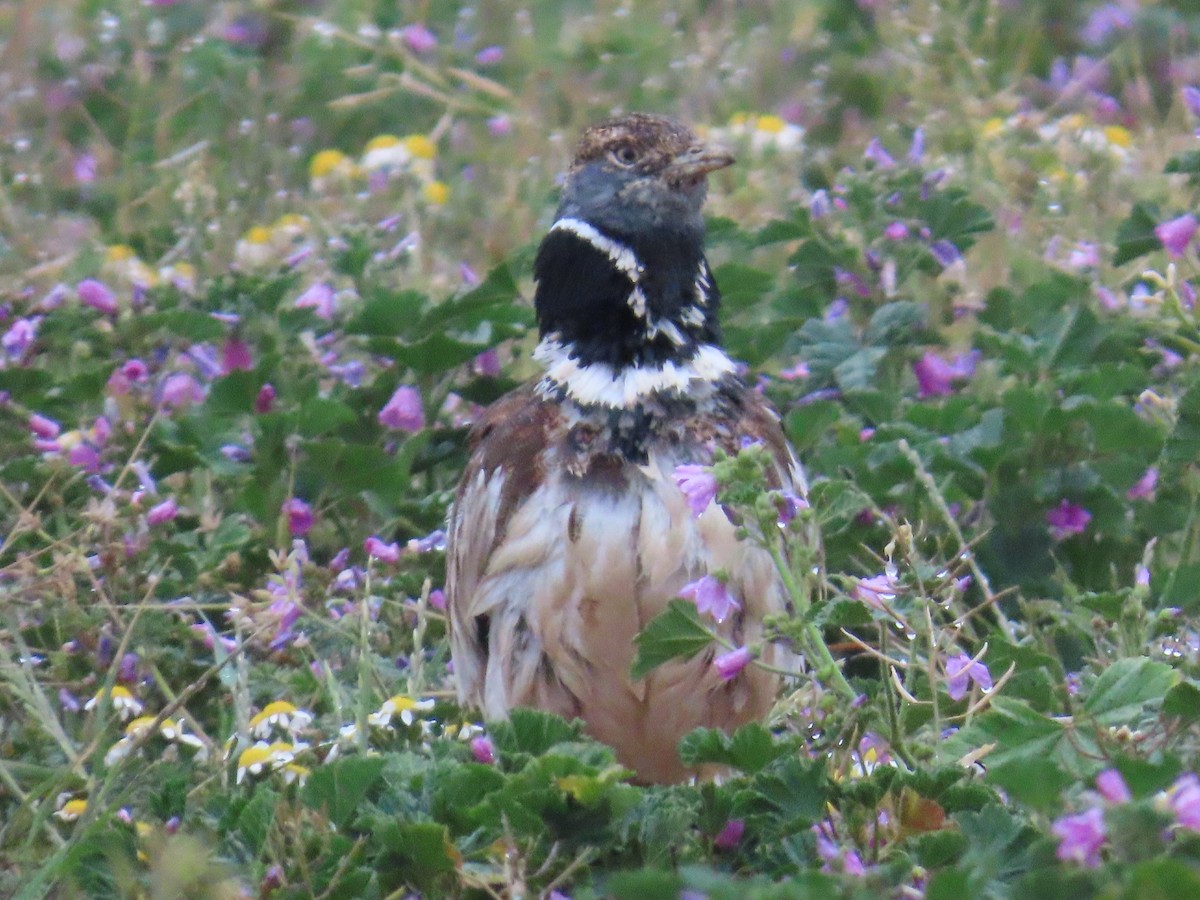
(638, 173)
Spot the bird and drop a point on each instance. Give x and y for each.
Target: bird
(567, 533)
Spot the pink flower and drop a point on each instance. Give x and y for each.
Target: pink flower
(876, 153)
(936, 376)
(97, 295)
(1081, 837)
(896, 231)
(320, 299)
(960, 670)
(876, 591)
(235, 356)
(489, 56)
(265, 399)
(85, 457)
(711, 597)
(796, 372)
(731, 835)
(729, 665)
(403, 412)
(43, 427)
(1112, 787)
(1067, 519)
(1176, 234)
(483, 751)
(437, 599)
(1143, 488)
(1184, 797)
(698, 484)
(418, 38)
(487, 364)
(20, 336)
(180, 390)
(162, 512)
(499, 126)
(299, 515)
(386, 553)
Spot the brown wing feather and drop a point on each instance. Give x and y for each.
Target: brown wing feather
(560, 552)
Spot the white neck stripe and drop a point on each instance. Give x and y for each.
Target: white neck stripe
(599, 384)
(618, 254)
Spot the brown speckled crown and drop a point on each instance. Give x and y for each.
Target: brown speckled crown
(657, 139)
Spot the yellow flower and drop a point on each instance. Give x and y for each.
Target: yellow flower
(382, 142)
(123, 701)
(280, 712)
(420, 146)
(992, 128)
(137, 726)
(1117, 135)
(254, 250)
(254, 760)
(289, 226)
(116, 253)
(71, 810)
(293, 772)
(1075, 121)
(770, 124)
(436, 192)
(120, 261)
(327, 162)
(738, 119)
(398, 705)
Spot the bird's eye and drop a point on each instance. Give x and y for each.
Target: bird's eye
(624, 156)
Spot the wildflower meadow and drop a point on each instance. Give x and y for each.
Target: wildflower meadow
(263, 263)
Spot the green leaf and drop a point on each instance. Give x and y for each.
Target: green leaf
(645, 884)
(1182, 702)
(1135, 235)
(895, 323)
(1162, 879)
(750, 749)
(1019, 732)
(678, 632)
(1187, 163)
(532, 731)
(416, 854)
(1185, 436)
(1038, 782)
(1126, 686)
(1145, 778)
(388, 314)
(791, 788)
(255, 820)
(338, 788)
(319, 415)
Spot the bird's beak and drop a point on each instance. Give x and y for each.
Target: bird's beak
(697, 161)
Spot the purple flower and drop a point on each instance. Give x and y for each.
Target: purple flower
(916, 150)
(299, 515)
(876, 153)
(945, 253)
(818, 206)
(1112, 787)
(487, 364)
(437, 599)
(1141, 576)
(711, 597)
(960, 670)
(403, 412)
(20, 336)
(789, 504)
(1067, 519)
(97, 295)
(1081, 837)
(1104, 21)
(84, 168)
(1191, 99)
(235, 356)
(896, 231)
(489, 56)
(499, 126)
(180, 390)
(877, 590)
(936, 376)
(1176, 234)
(387, 553)
(483, 751)
(205, 359)
(85, 457)
(265, 399)
(162, 512)
(1143, 488)
(1086, 255)
(1184, 798)
(418, 38)
(435, 540)
(729, 665)
(731, 835)
(320, 299)
(43, 427)
(698, 484)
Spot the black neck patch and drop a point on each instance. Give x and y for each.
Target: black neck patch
(623, 300)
